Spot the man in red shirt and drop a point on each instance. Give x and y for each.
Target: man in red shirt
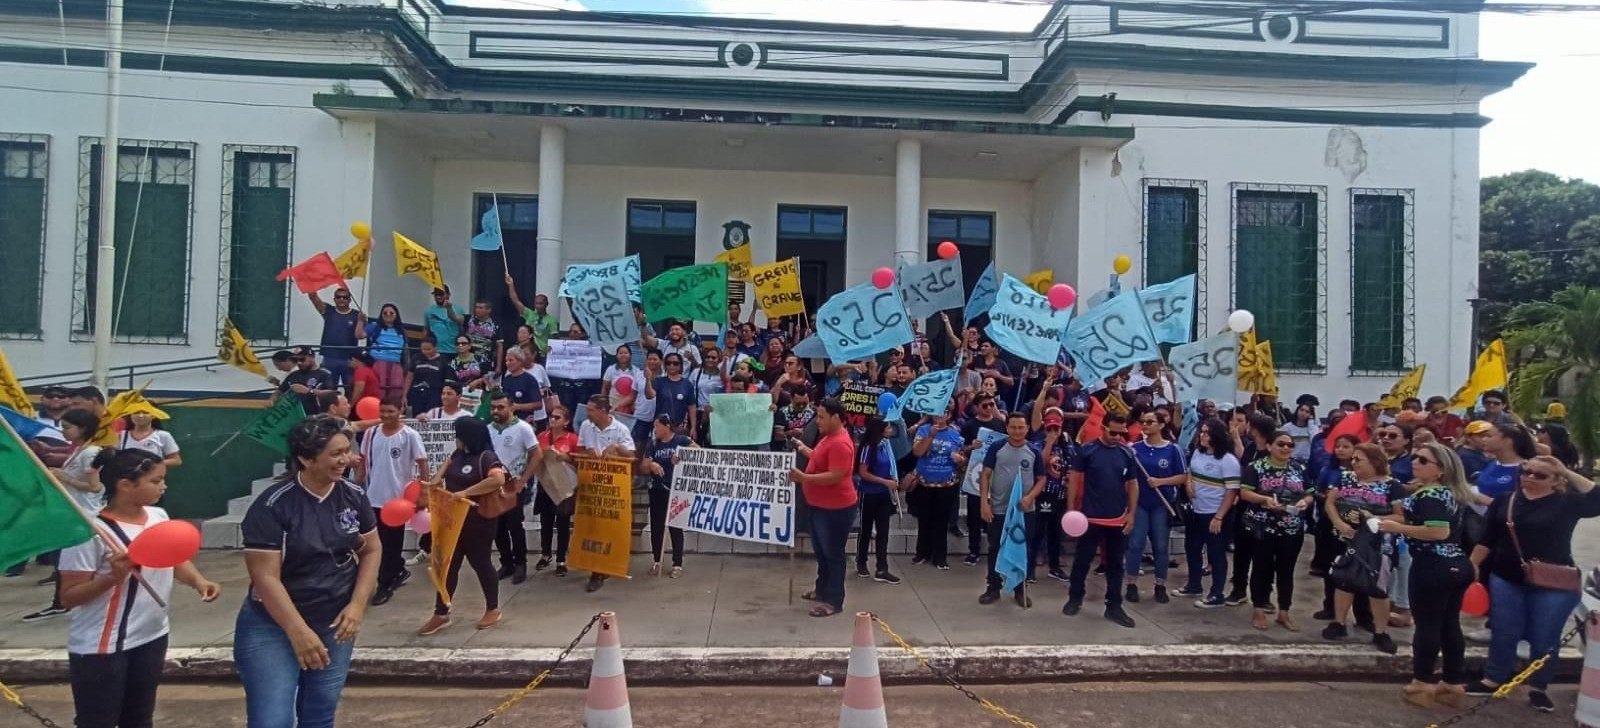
(831, 493)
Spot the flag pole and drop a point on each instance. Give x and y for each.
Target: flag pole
(99, 529)
(494, 198)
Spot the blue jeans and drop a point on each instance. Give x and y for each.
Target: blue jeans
(277, 693)
(830, 532)
(1521, 612)
(1154, 524)
(344, 376)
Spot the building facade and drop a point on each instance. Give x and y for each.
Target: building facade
(1318, 167)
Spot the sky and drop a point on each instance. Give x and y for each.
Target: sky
(1547, 120)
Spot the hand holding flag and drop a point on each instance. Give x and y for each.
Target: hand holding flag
(314, 273)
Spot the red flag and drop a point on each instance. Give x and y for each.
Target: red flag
(314, 274)
(1093, 427)
(1355, 425)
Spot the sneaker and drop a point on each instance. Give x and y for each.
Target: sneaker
(1235, 599)
(46, 613)
(956, 531)
(595, 582)
(405, 576)
(971, 560)
(1540, 700)
(1210, 603)
(561, 569)
(505, 572)
(1161, 595)
(1023, 600)
(1119, 617)
(1481, 689)
(861, 571)
(676, 572)
(1323, 615)
(1059, 575)
(884, 577)
(1335, 632)
(1100, 569)
(1032, 579)
(14, 572)
(942, 567)
(915, 561)
(1384, 643)
(420, 557)
(1071, 608)
(382, 597)
(989, 597)
(433, 625)
(655, 569)
(543, 563)
(1190, 591)
(517, 577)
(1131, 594)
(1480, 636)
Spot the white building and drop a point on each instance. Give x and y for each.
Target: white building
(1319, 167)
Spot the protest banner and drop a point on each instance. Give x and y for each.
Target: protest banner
(438, 440)
(861, 321)
(986, 438)
(860, 402)
(690, 293)
(626, 267)
(1110, 336)
(1257, 375)
(931, 287)
(930, 393)
(1024, 323)
(352, 263)
(571, 359)
(236, 351)
(1191, 426)
(604, 311)
(738, 260)
(1205, 369)
(1406, 387)
(741, 419)
(736, 494)
(1169, 307)
(446, 515)
(778, 288)
(411, 258)
(271, 428)
(602, 525)
(983, 293)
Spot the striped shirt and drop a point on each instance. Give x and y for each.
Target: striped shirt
(1213, 478)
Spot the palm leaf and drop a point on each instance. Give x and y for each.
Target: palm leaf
(1529, 382)
(1583, 417)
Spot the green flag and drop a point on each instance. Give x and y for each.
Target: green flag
(271, 429)
(692, 292)
(35, 516)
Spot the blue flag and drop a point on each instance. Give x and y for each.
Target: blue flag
(983, 293)
(930, 393)
(490, 238)
(1110, 336)
(1170, 309)
(861, 321)
(1011, 561)
(27, 427)
(1024, 323)
(1191, 425)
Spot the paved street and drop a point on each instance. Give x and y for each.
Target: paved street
(1102, 705)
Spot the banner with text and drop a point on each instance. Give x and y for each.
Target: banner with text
(930, 393)
(983, 293)
(778, 288)
(1169, 307)
(1024, 323)
(690, 293)
(931, 287)
(860, 402)
(1206, 368)
(602, 526)
(438, 440)
(571, 359)
(861, 321)
(1108, 337)
(734, 493)
(741, 419)
(626, 267)
(604, 311)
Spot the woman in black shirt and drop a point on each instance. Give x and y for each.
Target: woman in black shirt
(1543, 512)
(472, 470)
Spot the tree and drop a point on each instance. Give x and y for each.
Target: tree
(1538, 233)
(1550, 339)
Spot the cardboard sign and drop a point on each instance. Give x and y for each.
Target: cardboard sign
(778, 288)
(734, 493)
(741, 419)
(570, 359)
(626, 267)
(602, 525)
(861, 321)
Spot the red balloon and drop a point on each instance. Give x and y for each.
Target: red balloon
(1476, 601)
(395, 513)
(367, 408)
(413, 491)
(165, 545)
(948, 250)
(1062, 296)
(883, 277)
(625, 386)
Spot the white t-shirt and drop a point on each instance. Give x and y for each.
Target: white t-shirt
(689, 351)
(159, 443)
(644, 408)
(512, 444)
(391, 462)
(1213, 478)
(438, 413)
(101, 627)
(636, 385)
(593, 437)
(543, 377)
(77, 467)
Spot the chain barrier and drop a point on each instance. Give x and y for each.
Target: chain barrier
(1505, 690)
(13, 698)
(517, 697)
(951, 680)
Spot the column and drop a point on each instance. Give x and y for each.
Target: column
(552, 193)
(908, 247)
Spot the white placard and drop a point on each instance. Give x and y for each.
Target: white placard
(570, 359)
(734, 493)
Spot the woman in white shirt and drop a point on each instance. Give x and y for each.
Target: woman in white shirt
(80, 427)
(144, 432)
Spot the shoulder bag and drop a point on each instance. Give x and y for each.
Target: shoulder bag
(501, 500)
(1544, 575)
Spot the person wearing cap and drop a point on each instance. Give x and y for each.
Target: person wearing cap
(306, 380)
(443, 320)
(1058, 452)
(1471, 448)
(1556, 412)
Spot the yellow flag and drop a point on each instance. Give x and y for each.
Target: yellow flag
(1257, 375)
(236, 351)
(602, 527)
(1040, 281)
(1488, 373)
(352, 263)
(413, 259)
(1407, 387)
(447, 514)
(1114, 404)
(11, 393)
(738, 261)
(778, 288)
(132, 402)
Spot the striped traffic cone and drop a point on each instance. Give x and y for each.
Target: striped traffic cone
(1589, 688)
(606, 703)
(863, 689)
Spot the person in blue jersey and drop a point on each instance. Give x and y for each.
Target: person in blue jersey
(1162, 471)
(1510, 446)
(876, 481)
(940, 459)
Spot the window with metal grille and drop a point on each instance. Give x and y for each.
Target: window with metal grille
(24, 165)
(1175, 235)
(815, 235)
(1277, 248)
(257, 230)
(155, 187)
(1380, 276)
(661, 233)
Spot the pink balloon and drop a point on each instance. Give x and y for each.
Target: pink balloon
(624, 386)
(1074, 523)
(1062, 296)
(883, 277)
(421, 523)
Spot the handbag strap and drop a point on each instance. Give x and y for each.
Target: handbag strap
(1511, 527)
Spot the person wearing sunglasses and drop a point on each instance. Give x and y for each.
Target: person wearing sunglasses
(468, 367)
(1161, 471)
(675, 396)
(986, 415)
(1533, 523)
(342, 323)
(1369, 489)
(1276, 490)
(1103, 481)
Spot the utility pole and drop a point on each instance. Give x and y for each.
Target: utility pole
(106, 253)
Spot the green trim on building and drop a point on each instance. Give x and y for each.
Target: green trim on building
(714, 46)
(1125, 107)
(1002, 74)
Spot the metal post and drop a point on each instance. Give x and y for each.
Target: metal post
(106, 253)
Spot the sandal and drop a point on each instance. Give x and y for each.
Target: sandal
(824, 610)
(1259, 620)
(809, 596)
(1286, 622)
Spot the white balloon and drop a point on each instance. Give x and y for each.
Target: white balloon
(1241, 321)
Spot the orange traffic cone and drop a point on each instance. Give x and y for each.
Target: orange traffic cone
(863, 689)
(606, 703)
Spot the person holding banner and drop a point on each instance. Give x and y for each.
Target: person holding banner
(311, 549)
(830, 492)
(1161, 470)
(601, 435)
(472, 470)
(1011, 464)
(517, 447)
(940, 458)
(77, 473)
(341, 325)
(659, 456)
